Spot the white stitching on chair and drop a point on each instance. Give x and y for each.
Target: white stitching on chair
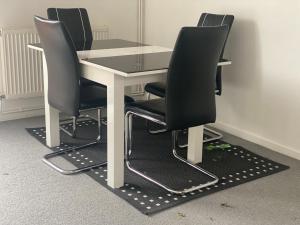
(57, 13)
(223, 20)
(84, 35)
(206, 14)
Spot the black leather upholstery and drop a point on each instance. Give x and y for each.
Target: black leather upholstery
(77, 22)
(190, 92)
(64, 90)
(191, 77)
(156, 88)
(62, 64)
(95, 96)
(206, 19)
(209, 19)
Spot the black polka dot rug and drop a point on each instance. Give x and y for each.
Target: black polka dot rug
(152, 154)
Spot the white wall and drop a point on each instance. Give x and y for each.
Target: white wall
(120, 16)
(261, 98)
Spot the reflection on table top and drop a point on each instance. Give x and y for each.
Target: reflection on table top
(98, 44)
(134, 63)
(123, 57)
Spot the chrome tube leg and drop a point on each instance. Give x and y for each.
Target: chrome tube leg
(159, 131)
(147, 122)
(218, 136)
(128, 140)
(174, 139)
(148, 125)
(177, 143)
(72, 133)
(46, 158)
(65, 130)
(214, 178)
(126, 135)
(99, 118)
(130, 132)
(74, 126)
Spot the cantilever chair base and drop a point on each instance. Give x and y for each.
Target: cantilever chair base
(74, 121)
(217, 135)
(46, 159)
(128, 142)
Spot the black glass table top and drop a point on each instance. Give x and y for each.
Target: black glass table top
(101, 44)
(135, 63)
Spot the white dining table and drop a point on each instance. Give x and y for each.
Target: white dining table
(119, 63)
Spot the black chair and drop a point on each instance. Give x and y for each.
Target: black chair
(190, 93)
(159, 88)
(78, 24)
(65, 92)
(208, 19)
(76, 21)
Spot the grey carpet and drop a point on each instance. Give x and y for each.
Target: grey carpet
(30, 193)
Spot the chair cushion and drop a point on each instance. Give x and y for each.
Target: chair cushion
(156, 88)
(155, 108)
(86, 82)
(159, 88)
(96, 96)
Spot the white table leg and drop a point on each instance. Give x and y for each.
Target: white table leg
(115, 132)
(51, 114)
(195, 144)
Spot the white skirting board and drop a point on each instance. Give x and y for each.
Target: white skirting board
(21, 115)
(12, 109)
(270, 144)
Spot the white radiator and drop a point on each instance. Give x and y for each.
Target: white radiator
(21, 68)
(101, 33)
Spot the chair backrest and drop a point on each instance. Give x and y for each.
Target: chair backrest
(62, 65)
(209, 19)
(77, 23)
(190, 96)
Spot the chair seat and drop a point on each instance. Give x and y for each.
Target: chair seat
(159, 89)
(156, 88)
(85, 82)
(96, 96)
(155, 108)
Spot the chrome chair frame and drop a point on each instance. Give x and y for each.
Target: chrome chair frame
(46, 158)
(218, 135)
(128, 151)
(74, 121)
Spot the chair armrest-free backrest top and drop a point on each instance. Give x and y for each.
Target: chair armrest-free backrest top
(77, 23)
(190, 92)
(209, 19)
(62, 65)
